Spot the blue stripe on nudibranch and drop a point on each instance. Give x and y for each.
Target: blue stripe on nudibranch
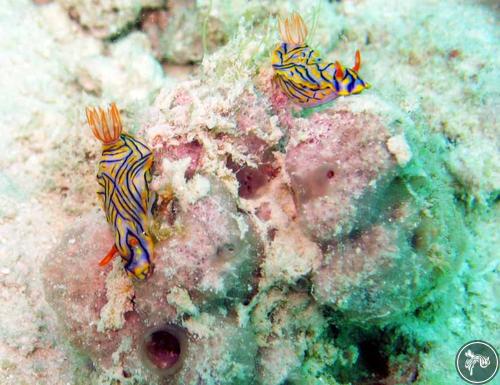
(327, 81)
(336, 84)
(350, 86)
(123, 191)
(126, 200)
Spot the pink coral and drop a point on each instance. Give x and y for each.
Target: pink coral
(79, 301)
(205, 256)
(211, 251)
(338, 159)
(184, 149)
(253, 198)
(154, 23)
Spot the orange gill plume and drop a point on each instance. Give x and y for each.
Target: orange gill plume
(101, 122)
(292, 29)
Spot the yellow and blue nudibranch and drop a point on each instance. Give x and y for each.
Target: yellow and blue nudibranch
(124, 176)
(302, 74)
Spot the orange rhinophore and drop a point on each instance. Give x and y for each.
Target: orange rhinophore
(339, 75)
(357, 62)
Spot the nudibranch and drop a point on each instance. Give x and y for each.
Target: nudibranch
(302, 74)
(124, 176)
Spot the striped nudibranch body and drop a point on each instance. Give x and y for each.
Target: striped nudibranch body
(301, 73)
(123, 176)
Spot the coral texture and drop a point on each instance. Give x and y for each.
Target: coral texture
(106, 18)
(340, 159)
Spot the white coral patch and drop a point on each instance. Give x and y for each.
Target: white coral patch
(242, 225)
(188, 192)
(201, 326)
(398, 147)
(180, 298)
(119, 293)
(291, 257)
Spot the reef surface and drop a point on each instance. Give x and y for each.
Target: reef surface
(354, 243)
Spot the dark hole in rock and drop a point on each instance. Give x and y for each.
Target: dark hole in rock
(414, 376)
(415, 240)
(330, 174)
(355, 234)
(271, 233)
(373, 359)
(385, 356)
(334, 331)
(303, 284)
(251, 179)
(90, 365)
(163, 349)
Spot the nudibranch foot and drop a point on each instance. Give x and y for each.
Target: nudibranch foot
(301, 73)
(124, 176)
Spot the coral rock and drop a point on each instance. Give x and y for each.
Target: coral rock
(211, 255)
(109, 316)
(105, 18)
(76, 288)
(372, 277)
(339, 159)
